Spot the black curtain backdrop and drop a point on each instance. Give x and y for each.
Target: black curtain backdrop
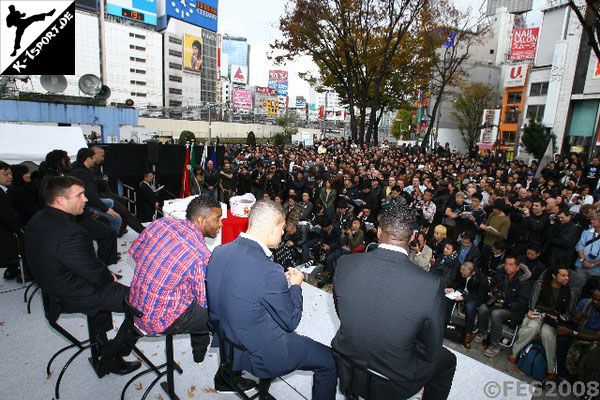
(128, 162)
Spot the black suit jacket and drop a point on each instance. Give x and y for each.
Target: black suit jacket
(10, 224)
(391, 317)
(63, 262)
(146, 201)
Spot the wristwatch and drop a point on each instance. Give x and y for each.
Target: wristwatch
(575, 333)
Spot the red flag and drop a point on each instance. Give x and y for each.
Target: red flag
(185, 176)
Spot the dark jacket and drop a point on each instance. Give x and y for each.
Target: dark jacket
(446, 268)
(146, 202)
(24, 200)
(473, 255)
(559, 247)
(254, 307)
(515, 292)
(91, 190)
(63, 262)
(211, 178)
(10, 225)
(476, 286)
(536, 226)
(377, 328)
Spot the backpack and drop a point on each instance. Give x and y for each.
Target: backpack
(532, 361)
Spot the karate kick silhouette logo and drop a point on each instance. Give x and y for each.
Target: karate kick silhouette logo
(18, 20)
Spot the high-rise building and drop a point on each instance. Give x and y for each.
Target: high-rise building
(237, 51)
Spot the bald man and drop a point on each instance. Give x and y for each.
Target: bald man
(257, 306)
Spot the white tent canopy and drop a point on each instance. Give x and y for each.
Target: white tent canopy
(20, 143)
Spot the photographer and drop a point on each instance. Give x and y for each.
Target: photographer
(446, 267)
(353, 237)
(561, 238)
(507, 300)
(288, 252)
(419, 253)
(552, 300)
(588, 251)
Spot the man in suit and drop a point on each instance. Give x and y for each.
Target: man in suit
(391, 318)
(63, 262)
(147, 201)
(10, 225)
(257, 306)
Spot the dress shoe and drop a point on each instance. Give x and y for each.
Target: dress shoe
(512, 359)
(117, 366)
(550, 377)
(222, 386)
(11, 273)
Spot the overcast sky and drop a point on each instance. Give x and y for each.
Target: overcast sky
(258, 22)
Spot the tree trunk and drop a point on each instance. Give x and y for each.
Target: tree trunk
(363, 120)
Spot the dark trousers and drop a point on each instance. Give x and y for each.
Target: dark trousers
(332, 257)
(305, 354)
(193, 321)
(306, 247)
(105, 237)
(120, 207)
(109, 299)
(563, 342)
(438, 388)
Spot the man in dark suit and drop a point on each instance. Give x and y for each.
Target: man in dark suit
(10, 225)
(391, 318)
(63, 262)
(257, 306)
(147, 201)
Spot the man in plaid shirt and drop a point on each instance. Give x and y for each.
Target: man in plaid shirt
(168, 282)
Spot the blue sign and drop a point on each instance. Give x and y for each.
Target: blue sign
(301, 103)
(136, 10)
(203, 13)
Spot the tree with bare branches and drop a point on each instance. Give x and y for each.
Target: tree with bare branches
(588, 14)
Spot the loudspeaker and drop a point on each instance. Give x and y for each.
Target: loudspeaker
(153, 152)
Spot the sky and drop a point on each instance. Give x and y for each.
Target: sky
(258, 22)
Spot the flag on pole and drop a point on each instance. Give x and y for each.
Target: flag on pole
(204, 156)
(185, 176)
(192, 157)
(214, 156)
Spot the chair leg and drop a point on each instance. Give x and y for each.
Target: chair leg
(27, 291)
(263, 389)
(30, 299)
(60, 376)
(169, 385)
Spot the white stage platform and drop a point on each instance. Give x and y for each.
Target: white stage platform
(27, 342)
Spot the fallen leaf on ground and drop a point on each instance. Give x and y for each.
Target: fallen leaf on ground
(154, 355)
(119, 271)
(193, 388)
(1, 323)
(159, 397)
(138, 386)
(209, 390)
(190, 394)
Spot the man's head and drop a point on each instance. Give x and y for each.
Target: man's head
(467, 269)
(538, 207)
(291, 201)
(428, 195)
(59, 160)
(499, 247)
(533, 251)
(266, 221)
(511, 266)
(395, 225)
(560, 275)
(450, 248)
(148, 176)
(564, 216)
(98, 156)
(356, 224)
(205, 212)
(6, 175)
(290, 228)
(65, 193)
(210, 164)
(84, 156)
(467, 238)
(588, 211)
(305, 197)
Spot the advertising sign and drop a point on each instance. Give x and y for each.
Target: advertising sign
(239, 74)
(516, 76)
(272, 106)
(136, 10)
(266, 90)
(242, 98)
(201, 13)
(524, 42)
(278, 80)
(300, 103)
(491, 118)
(596, 74)
(90, 4)
(192, 53)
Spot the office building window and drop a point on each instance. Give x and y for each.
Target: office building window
(535, 112)
(137, 94)
(512, 115)
(174, 39)
(137, 71)
(174, 65)
(174, 53)
(174, 103)
(136, 59)
(514, 98)
(175, 91)
(133, 47)
(135, 35)
(174, 78)
(539, 89)
(140, 83)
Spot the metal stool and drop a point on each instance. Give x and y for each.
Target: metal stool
(226, 354)
(170, 366)
(349, 389)
(90, 343)
(30, 298)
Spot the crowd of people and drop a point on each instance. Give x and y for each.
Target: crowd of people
(507, 242)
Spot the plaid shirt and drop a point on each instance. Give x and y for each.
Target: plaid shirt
(171, 258)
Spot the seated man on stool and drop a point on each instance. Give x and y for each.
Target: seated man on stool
(168, 282)
(392, 317)
(64, 264)
(257, 306)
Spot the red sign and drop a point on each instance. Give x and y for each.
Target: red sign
(524, 42)
(266, 90)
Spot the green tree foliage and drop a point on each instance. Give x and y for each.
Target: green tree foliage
(536, 138)
(468, 110)
(187, 137)
(288, 121)
(251, 139)
(401, 126)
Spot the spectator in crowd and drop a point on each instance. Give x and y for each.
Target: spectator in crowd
(292, 211)
(453, 214)
(369, 224)
(537, 221)
(472, 285)
(244, 181)
(328, 195)
(419, 253)
(227, 177)
(588, 260)
(533, 261)
(472, 217)
(147, 200)
(496, 227)
(11, 226)
(211, 180)
(289, 250)
(353, 237)
(438, 241)
(306, 206)
(561, 238)
(551, 300)
(23, 193)
(329, 246)
(507, 301)
(446, 267)
(197, 182)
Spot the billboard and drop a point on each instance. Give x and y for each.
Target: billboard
(278, 80)
(516, 76)
(203, 13)
(300, 103)
(242, 98)
(239, 74)
(524, 42)
(136, 10)
(266, 90)
(192, 53)
(272, 106)
(491, 119)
